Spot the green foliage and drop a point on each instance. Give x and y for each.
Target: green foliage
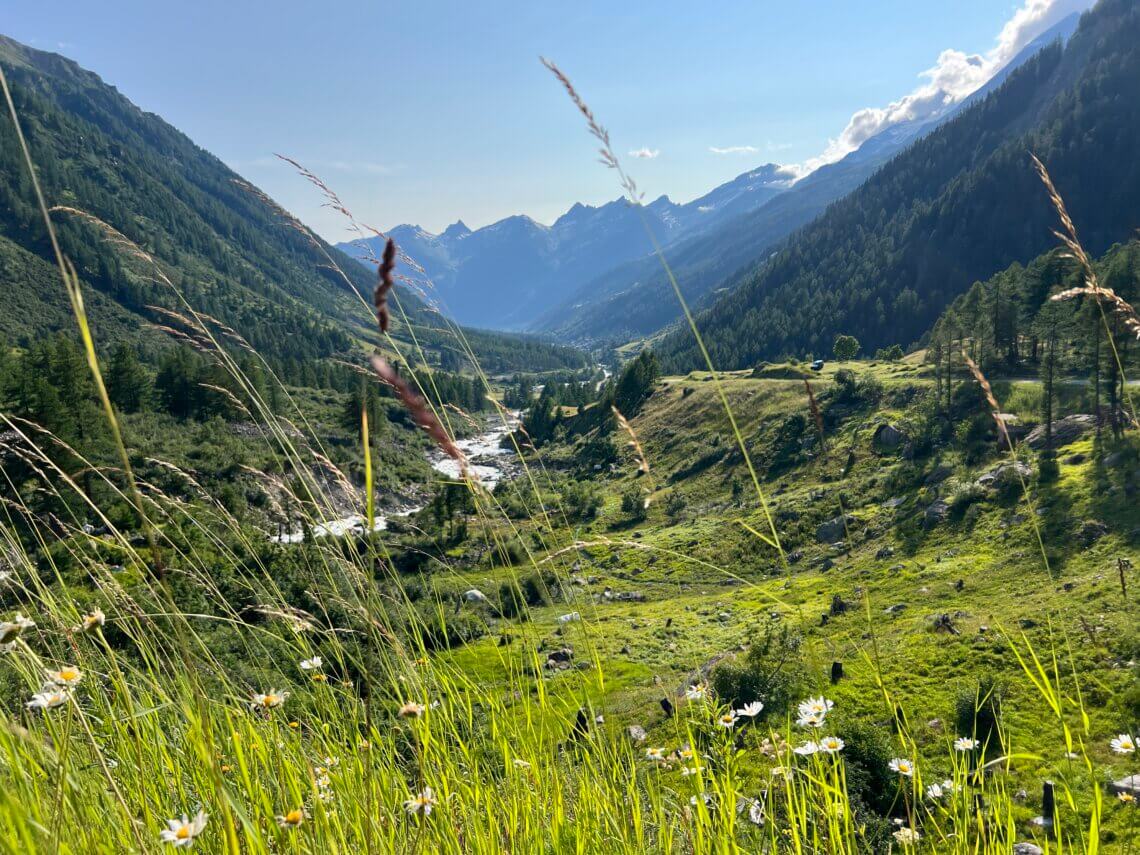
(846, 347)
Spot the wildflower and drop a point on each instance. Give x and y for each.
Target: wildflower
(65, 678)
(411, 710)
(421, 803)
(831, 744)
(292, 819)
(1123, 744)
(751, 710)
(657, 755)
(902, 766)
(820, 706)
(705, 797)
(267, 701)
(181, 832)
(48, 699)
(319, 678)
(690, 770)
(697, 692)
(313, 664)
(784, 772)
(91, 623)
(807, 749)
(907, 836)
(1126, 798)
(728, 720)
(934, 792)
(685, 753)
(13, 629)
(965, 743)
(813, 719)
(520, 763)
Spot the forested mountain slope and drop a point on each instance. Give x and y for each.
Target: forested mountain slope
(228, 250)
(958, 205)
(636, 299)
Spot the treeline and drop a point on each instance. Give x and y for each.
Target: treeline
(960, 203)
(1011, 325)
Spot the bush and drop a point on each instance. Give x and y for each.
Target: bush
(771, 671)
(977, 714)
(633, 504)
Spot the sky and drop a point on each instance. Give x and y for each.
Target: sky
(427, 111)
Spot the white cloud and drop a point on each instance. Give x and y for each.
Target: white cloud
(953, 77)
(734, 149)
(645, 153)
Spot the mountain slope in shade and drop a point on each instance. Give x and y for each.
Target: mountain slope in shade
(636, 299)
(959, 204)
(506, 275)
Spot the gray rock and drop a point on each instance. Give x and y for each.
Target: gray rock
(885, 552)
(888, 436)
(1027, 849)
(938, 474)
(895, 609)
(935, 514)
(834, 529)
(1091, 531)
(1066, 430)
(636, 733)
(1006, 474)
(896, 502)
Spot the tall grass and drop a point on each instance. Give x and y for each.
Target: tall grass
(381, 744)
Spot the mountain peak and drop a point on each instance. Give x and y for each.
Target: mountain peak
(456, 230)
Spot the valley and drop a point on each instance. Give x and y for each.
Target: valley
(803, 522)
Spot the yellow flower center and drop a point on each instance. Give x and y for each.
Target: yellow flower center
(294, 817)
(183, 832)
(68, 674)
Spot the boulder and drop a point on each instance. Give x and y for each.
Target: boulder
(888, 436)
(1066, 430)
(1005, 475)
(1090, 532)
(1027, 849)
(938, 474)
(834, 529)
(934, 514)
(636, 733)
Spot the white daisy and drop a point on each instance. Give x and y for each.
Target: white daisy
(831, 744)
(965, 743)
(807, 749)
(91, 623)
(820, 706)
(812, 719)
(292, 819)
(48, 699)
(65, 678)
(1123, 744)
(751, 710)
(181, 832)
(313, 664)
(266, 701)
(727, 720)
(902, 766)
(421, 803)
(657, 755)
(13, 629)
(935, 792)
(697, 692)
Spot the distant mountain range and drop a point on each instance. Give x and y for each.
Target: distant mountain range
(508, 274)
(590, 277)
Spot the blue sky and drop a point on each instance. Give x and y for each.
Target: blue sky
(428, 111)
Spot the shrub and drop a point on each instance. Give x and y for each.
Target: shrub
(978, 714)
(771, 671)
